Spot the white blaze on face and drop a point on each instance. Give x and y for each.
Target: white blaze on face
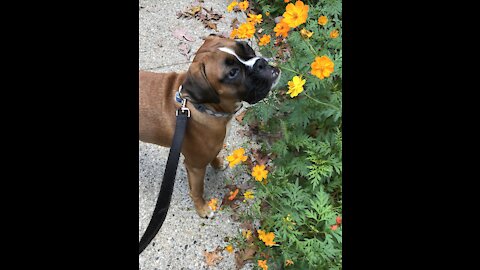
(248, 63)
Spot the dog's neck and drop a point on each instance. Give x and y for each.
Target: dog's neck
(224, 109)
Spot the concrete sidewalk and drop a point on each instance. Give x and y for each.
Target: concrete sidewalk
(183, 238)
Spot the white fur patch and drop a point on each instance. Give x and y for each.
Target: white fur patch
(248, 63)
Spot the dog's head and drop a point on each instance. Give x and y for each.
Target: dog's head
(225, 69)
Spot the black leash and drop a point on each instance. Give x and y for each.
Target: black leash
(165, 194)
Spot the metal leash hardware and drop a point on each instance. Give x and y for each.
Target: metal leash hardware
(183, 109)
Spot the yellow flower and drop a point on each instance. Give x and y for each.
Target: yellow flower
(295, 86)
(233, 194)
(229, 248)
(322, 20)
(263, 264)
(264, 40)
(305, 33)
(281, 29)
(334, 34)
(246, 30)
(213, 204)
(295, 14)
(233, 34)
(231, 6)
(267, 238)
(288, 262)
(267, 13)
(247, 234)
(243, 5)
(322, 67)
(236, 157)
(248, 195)
(259, 172)
(254, 19)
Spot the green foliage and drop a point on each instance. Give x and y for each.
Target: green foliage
(303, 194)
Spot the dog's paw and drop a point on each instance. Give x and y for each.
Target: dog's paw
(219, 164)
(204, 211)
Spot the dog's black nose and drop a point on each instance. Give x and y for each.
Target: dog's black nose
(260, 65)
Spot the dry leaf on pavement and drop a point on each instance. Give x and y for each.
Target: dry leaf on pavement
(213, 257)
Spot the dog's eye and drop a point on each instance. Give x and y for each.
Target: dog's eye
(233, 73)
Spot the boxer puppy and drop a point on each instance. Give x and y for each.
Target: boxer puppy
(223, 73)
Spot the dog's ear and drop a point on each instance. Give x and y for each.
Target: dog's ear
(196, 87)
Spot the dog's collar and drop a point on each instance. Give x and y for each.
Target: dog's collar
(202, 108)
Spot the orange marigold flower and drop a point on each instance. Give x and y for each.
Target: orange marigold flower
(243, 5)
(254, 19)
(322, 20)
(281, 29)
(305, 33)
(334, 34)
(267, 238)
(231, 6)
(229, 248)
(263, 264)
(334, 227)
(322, 67)
(288, 262)
(234, 34)
(264, 40)
(233, 194)
(296, 14)
(295, 86)
(246, 30)
(236, 157)
(286, 1)
(213, 204)
(259, 172)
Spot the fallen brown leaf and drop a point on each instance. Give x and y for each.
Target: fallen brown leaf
(184, 49)
(212, 25)
(212, 15)
(212, 258)
(194, 10)
(242, 256)
(181, 34)
(240, 116)
(260, 157)
(247, 225)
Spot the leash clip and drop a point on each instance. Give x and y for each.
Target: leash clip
(184, 108)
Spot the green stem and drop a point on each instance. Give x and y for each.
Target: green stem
(323, 103)
(294, 71)
(310, 47)
(272, 205)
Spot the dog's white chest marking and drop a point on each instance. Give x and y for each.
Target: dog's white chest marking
(248, 63)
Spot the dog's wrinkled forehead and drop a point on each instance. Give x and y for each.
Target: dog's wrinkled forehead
(249, 63)
(238, 49)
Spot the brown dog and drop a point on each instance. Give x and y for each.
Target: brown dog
(223, 73)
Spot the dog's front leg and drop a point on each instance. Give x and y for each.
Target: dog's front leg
(219, 163)
(195, 180)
